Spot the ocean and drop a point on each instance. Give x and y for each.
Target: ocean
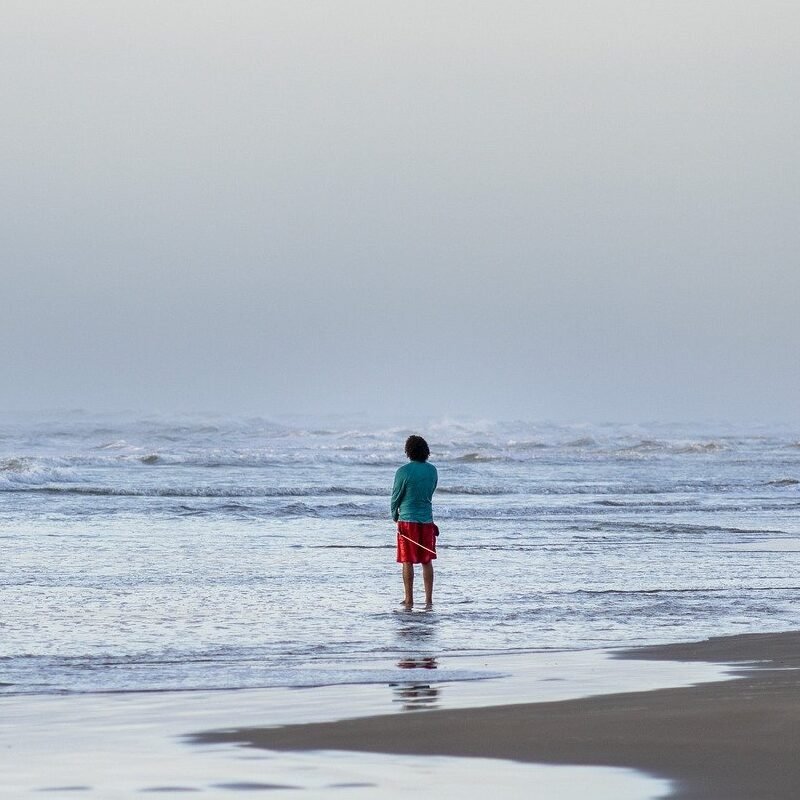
(164, 552)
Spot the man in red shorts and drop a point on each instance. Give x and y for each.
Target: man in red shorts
(414, 485)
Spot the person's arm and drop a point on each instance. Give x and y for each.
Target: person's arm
(398, 490)
(435, 484)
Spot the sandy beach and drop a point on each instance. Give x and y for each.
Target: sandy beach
(726, 740)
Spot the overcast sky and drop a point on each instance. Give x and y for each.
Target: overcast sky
(547, 210)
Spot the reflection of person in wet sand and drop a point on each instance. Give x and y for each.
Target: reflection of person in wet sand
(412, 510)
(416, 696)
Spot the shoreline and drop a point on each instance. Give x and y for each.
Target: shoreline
(723, 740)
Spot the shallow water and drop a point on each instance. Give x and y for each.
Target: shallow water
(219, 552)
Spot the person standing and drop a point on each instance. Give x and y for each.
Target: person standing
(412, 510)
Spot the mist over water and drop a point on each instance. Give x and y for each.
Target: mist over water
(216, 551)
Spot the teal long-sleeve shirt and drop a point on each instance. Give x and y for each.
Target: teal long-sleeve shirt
(414, 485)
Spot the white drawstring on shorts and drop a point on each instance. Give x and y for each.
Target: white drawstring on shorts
(416, 543)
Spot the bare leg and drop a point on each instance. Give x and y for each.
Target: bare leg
(408, 584)
(427, 577)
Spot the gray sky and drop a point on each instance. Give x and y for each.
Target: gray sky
(548, 210)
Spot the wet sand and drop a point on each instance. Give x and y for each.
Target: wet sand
(729, 740)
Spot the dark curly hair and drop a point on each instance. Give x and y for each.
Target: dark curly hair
(417, 448)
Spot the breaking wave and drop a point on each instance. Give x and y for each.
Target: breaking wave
(201, 491)
(20, 473)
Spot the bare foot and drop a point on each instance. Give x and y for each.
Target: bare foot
(407, 604)
(429, 606)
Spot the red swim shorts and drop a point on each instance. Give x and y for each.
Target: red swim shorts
(416, 542)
